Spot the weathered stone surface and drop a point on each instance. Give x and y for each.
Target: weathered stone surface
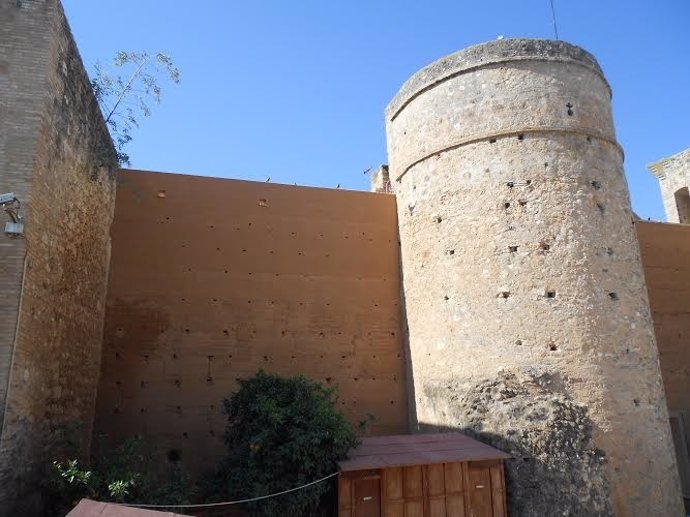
(518, 251)
(673, 174)
(54, 153)
(555, 469)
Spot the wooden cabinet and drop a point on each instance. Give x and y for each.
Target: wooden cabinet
(457, 489)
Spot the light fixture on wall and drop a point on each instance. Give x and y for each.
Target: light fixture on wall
(11, 206)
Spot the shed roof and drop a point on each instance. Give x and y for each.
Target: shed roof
(417, 449)
(89, 508)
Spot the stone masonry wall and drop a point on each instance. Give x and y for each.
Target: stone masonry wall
(674, 174)
(528, 318)
(57, 156)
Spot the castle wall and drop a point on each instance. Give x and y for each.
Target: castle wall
(528, 317)
(214, 279)
(665, 252)
(53, 144)
(674, 179)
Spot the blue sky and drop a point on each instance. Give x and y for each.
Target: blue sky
(295, 90)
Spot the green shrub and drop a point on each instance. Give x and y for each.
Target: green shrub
(125, 474)
(281, 433)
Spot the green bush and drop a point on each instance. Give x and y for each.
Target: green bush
(281, 433)
(125, 474)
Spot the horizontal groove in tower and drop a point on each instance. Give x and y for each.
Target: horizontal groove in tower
(520, 261)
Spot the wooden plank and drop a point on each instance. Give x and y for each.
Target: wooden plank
(498, 491)
(453, 478)
(437, 506)
(394, 508)
(412, 482)
(344, 493)
(392, 484)
(455, 506)
(414, 508)
(435, 480)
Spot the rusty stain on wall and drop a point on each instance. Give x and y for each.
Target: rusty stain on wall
(214, 279)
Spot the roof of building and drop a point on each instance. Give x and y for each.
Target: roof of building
(89, 508)
(417, 449)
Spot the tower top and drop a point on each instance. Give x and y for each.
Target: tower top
(489, 53)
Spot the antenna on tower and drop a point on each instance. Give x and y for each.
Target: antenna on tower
(553, 17)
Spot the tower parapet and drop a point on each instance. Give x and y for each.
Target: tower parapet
(673, 174)
(527, 310)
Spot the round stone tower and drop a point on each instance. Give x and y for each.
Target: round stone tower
(527, 312)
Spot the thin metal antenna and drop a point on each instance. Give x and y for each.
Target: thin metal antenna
(553, 16)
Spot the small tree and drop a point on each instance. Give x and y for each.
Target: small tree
(281, 433)
(123, 99)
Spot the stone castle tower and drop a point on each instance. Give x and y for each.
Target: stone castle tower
(527, 312)
(674, 179)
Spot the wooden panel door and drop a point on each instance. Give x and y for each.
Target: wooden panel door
(366, 497)
(480, 502)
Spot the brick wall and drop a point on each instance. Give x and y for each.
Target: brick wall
(213, 279)
(53, 147)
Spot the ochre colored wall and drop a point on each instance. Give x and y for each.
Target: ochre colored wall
(53, 146)
(665, 252)
(213, 279)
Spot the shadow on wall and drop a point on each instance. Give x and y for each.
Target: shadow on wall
(554, 470)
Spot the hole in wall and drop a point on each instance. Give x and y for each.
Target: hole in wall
(451, 252)
(528, 182)
(492, 140)
(636, 402)
(522, 202)
(613, 296)
(513, 249)
(438, 219)
(609, 251)
(589, 138)
(570, 107)
(446, 297)
(504, 294)
(521, 136)
(506, 205)
(596, 185)
(553, 347)
(550, 294)
(518, 342)
(510, 184)
(544, 246)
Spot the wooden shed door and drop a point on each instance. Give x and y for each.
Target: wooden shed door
(367, 499)
(479, 478)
